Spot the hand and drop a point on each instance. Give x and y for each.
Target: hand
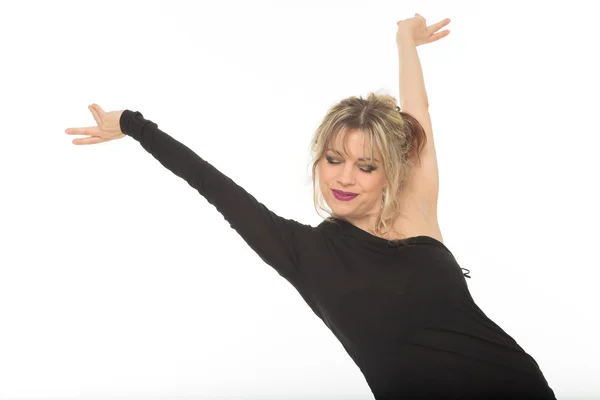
(108, 128)
(417, 29)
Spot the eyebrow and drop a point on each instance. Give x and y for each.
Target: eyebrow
(360, 159)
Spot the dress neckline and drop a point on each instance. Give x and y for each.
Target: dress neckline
(353, 230)
(380, 243)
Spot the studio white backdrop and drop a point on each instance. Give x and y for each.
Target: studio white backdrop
(118, 280)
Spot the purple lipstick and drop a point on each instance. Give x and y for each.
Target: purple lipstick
(344, 196)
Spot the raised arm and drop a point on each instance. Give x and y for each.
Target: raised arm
(423, 181)
(273, 238)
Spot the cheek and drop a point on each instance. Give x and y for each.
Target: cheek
(371, 183)
(322, 175)
(324, 172)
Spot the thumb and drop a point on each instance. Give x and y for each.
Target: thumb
(97, 112)
(98, 109)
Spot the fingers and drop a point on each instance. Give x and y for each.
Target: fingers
(439, 25)
(93, 109)
(438, 36)
(98, 109)
(90, 140)
(93, 131)
(90, 131)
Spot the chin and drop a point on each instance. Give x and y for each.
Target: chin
(342, 210)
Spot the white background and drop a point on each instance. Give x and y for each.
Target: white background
(118, 280)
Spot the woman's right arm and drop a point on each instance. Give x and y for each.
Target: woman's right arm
(274, 239)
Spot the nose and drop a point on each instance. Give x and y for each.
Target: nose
(346, 177)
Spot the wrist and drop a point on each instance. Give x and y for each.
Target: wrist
(404, 39)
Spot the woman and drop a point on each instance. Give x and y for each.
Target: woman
(376, 271)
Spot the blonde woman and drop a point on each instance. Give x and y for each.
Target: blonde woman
(376, 270)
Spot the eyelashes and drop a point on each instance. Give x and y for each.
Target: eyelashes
(367, 171)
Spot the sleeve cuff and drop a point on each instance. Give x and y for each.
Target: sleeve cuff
(132, 123)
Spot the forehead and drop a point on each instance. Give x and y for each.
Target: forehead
(355, 143)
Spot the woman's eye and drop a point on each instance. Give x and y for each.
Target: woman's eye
(366, 170)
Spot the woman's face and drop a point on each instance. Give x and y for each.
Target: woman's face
(366, 178)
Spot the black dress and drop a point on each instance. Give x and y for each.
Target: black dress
(401, 309)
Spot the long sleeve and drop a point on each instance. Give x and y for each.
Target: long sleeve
(273, 238)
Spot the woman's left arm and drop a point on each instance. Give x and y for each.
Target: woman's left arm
(412, 84)
(423, 180)
(414, 32)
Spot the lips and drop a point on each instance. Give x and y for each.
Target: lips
(345, 193)
(343, 197)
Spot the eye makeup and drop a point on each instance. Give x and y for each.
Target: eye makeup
(368, 169)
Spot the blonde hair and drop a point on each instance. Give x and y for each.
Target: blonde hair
(397, 135)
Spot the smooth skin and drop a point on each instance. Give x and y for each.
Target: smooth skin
(108, 122)
(109, 127)
(417, 28)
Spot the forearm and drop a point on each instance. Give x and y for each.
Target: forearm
(412, 84)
